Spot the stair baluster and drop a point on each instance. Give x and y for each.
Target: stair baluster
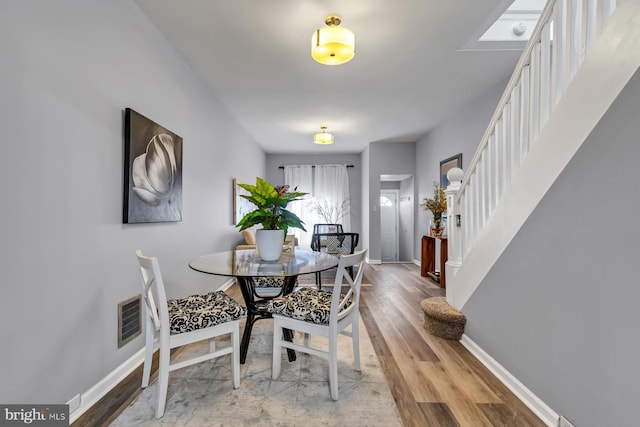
(557, 47)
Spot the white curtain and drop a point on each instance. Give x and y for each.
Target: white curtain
(328, 188)
(301, 176)
(331, 189)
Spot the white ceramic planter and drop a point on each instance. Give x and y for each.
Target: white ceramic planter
(269, 243)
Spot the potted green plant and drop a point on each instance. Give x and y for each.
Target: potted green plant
(437, 206)
(271, 213)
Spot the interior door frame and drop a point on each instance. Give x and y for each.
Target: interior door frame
(396, 192)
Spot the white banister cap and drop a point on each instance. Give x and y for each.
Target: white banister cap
(455, 174)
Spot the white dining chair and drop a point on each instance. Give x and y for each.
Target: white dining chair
(321, 313)
(181, 321)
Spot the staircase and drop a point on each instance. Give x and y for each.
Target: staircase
(578, 59)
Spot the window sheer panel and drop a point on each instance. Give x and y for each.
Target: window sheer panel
(301, 176)
(332, 185)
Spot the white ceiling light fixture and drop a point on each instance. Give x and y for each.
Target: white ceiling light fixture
(333, 45)
(323, 138)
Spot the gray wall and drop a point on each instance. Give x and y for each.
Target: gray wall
(365, 240)
(461, 133)
(69, 69)
(390, 185)
(559, 309)
(384, 158)
(406, 214)
(276, 177)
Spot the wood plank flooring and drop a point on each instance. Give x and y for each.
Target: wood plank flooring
(435, 382)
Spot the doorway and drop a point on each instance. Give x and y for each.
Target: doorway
(389, 219)
(396, 218)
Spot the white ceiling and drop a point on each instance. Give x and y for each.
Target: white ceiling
(407, 74)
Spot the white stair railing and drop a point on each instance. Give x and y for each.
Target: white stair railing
(564, 34)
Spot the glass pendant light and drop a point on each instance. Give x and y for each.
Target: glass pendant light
(333, 45)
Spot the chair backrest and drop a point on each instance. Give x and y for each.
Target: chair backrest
(350, 302)
(153, 293)
(324, 228)
(327, 228)
(335, 243)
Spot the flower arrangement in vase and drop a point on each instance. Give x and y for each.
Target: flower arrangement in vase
(271, 213)
(437, 205)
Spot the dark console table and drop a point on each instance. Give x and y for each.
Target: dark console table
(428, 260)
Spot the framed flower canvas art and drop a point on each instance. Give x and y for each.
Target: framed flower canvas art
(152, 171)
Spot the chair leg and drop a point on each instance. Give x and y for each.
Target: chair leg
(148, 355)
(318, 280)
(333, 366)
(287, 335)
(277, 349)
(306, 340)
(355, 338)
(235, 356)
(163, 380)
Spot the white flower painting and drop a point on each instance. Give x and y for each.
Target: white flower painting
(153, 171)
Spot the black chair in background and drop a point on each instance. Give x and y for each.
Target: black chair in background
(325, 228)
(335, 244)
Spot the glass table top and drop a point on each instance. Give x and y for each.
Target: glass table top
(245, 263)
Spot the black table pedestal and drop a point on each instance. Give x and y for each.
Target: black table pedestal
(257, 309)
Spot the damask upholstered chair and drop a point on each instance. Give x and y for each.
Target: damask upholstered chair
(177, 322)
(321, 313)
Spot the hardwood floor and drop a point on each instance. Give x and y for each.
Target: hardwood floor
(434, 381)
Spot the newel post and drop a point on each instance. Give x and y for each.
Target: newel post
(454, 232)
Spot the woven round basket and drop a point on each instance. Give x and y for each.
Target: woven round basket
(441, 319)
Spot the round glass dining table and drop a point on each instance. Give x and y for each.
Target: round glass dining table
(261, 281)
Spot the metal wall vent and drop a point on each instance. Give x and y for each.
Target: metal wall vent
(129, 320)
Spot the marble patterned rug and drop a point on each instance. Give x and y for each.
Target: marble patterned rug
(202, 395)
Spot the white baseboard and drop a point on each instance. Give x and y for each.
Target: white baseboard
(533, 402)
(97, 392)
(417, 262)
(374, 261)
(226, 285)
